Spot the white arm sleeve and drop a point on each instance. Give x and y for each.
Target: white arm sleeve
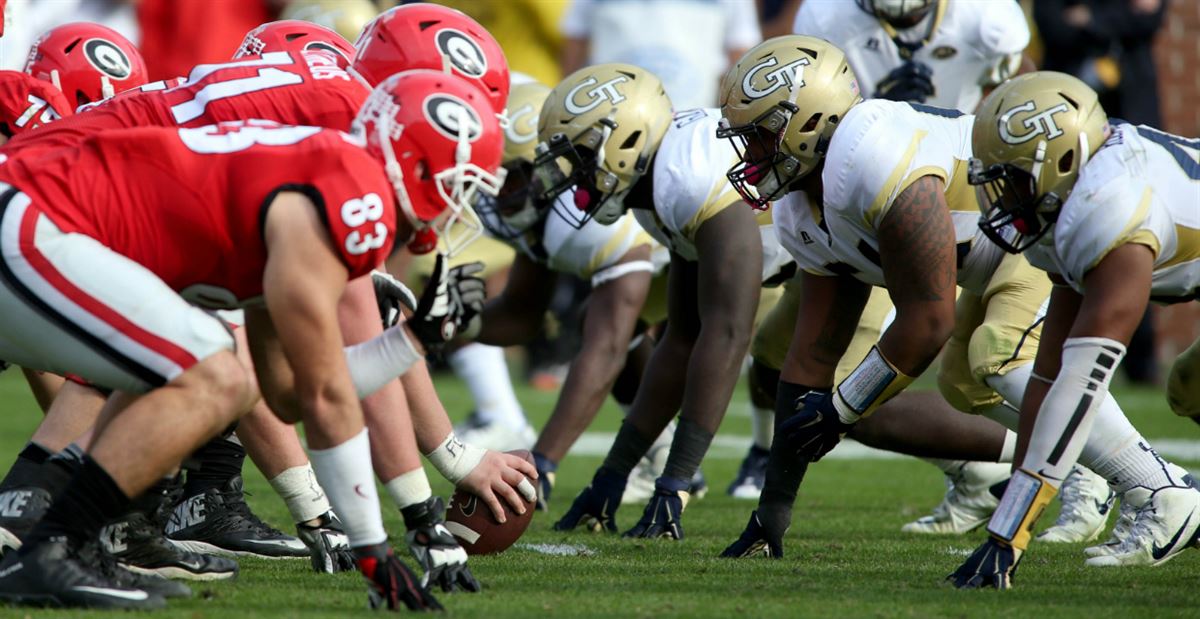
(380, 359)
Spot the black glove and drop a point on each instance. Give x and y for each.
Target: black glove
(814, 429)
(663, 516)
(392, 295)
(391, 584)
(452, 299)
(911, 81)
(328, 546)
(991, 566)
(440, 555)
(546, 473)
(596, 506)
(755, 541)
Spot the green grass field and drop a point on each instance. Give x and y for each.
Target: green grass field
(845, 557)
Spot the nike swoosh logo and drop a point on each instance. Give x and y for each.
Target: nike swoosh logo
(1159, 552)
(125, 594)
(278, 543)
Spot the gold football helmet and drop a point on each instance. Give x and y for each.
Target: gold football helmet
(512, 212)
(1031, 137)
(346, 17)
(599, 130)
(779, 105)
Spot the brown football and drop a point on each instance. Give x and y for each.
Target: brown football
(472, 522)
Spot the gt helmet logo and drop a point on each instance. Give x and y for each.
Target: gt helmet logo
(604, 92)
(788, 75)
(1037, 124)
(450, 115)
(462, 52)
(522, 125)
(107, 58)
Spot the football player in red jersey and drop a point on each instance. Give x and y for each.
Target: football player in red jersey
(271, 218)
(28, 103)
(87, 62)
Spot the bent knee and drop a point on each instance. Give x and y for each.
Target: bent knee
(1183, 384)
(225, 381)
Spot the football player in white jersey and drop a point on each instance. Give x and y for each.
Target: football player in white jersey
(941, 52)
(1112, 213)
(896, 211)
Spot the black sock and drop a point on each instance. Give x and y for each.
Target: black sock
(27, 467)
(687, 450)
(627, 449)
(58, 469)
(91, 500)
(784, 470)
(220, 460)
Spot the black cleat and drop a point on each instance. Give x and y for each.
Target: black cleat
(141, 547)
(220, 522)
(751, 475)
(93, 554)
(53, 574)
(20, 509)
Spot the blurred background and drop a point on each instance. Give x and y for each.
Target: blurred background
(1147, 65)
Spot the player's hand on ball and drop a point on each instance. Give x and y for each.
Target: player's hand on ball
(991, 566)
(596, 506)
(755, 541)
(502, 476)
(328, 546)
(815, 429)
(435, 549)
(392, 296)
(392, 585)
(663, 516)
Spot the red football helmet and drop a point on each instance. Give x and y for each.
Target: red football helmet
(429, 36)
(293, 35)
(440, 144)
(87, 62)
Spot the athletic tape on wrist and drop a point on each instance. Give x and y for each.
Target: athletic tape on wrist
(1024, 500)
(872, 383)
(409, 488)
(301, 493)
(455, 459)
(379, 360)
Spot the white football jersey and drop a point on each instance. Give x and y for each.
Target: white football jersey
(802, 231)
(690, 187)
(970, 40)
(1142, 186)
(880, 149)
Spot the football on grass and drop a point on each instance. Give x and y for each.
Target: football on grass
(472, 521)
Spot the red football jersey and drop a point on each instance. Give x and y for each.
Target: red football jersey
(188, 203)
(309, 90)
(27, 102)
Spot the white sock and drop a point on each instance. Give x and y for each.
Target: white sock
(762, 426)
(1004, 413)
(1010, 447)
(948, 467)
(483, 368)
(409, 488)
(299, 489)
(345, 473)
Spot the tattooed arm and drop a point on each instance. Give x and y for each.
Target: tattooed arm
(917, 249)
(830, 308)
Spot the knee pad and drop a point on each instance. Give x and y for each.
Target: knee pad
(958, 383)
(1183, 383)
(763, 382)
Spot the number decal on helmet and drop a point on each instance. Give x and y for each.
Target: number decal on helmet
(462, 52)
(1037, 124)
(107, 58)
(604, 92)
(448, 114)
(790, 75)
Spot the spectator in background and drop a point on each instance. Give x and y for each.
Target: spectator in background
(180, 34)
(688, 44)
(1108, 44)
(526, 29)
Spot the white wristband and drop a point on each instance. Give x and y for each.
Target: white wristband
(381, 359)
(455, 459)
(409, 488)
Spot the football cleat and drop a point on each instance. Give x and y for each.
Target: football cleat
(393, 586)
(1125, 517)
(20, 509)
(494, 435)
(140, 546)
(991, 566)
(595, 508)
(328, 545)
(54, 574)
(640, 485)
(751, 475)
(972, 494)
(1086, 503)
(1166, 522)
(755, 541)
(219, 522)
(663, 516)
(95, 556)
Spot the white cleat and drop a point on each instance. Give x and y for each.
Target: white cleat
(495, 435)
(1125, 517)
(640, 486)
(1167, 523)
(1086, 503)
(968, 503)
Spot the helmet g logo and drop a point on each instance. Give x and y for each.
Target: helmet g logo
(462, 52)
(606, 91)
(107, 58)
(1042, 122)
(450, 116)
(523, 118)
(783, 76)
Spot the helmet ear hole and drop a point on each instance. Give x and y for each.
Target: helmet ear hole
(1066, 161)
(811, 124)
(632, 140)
